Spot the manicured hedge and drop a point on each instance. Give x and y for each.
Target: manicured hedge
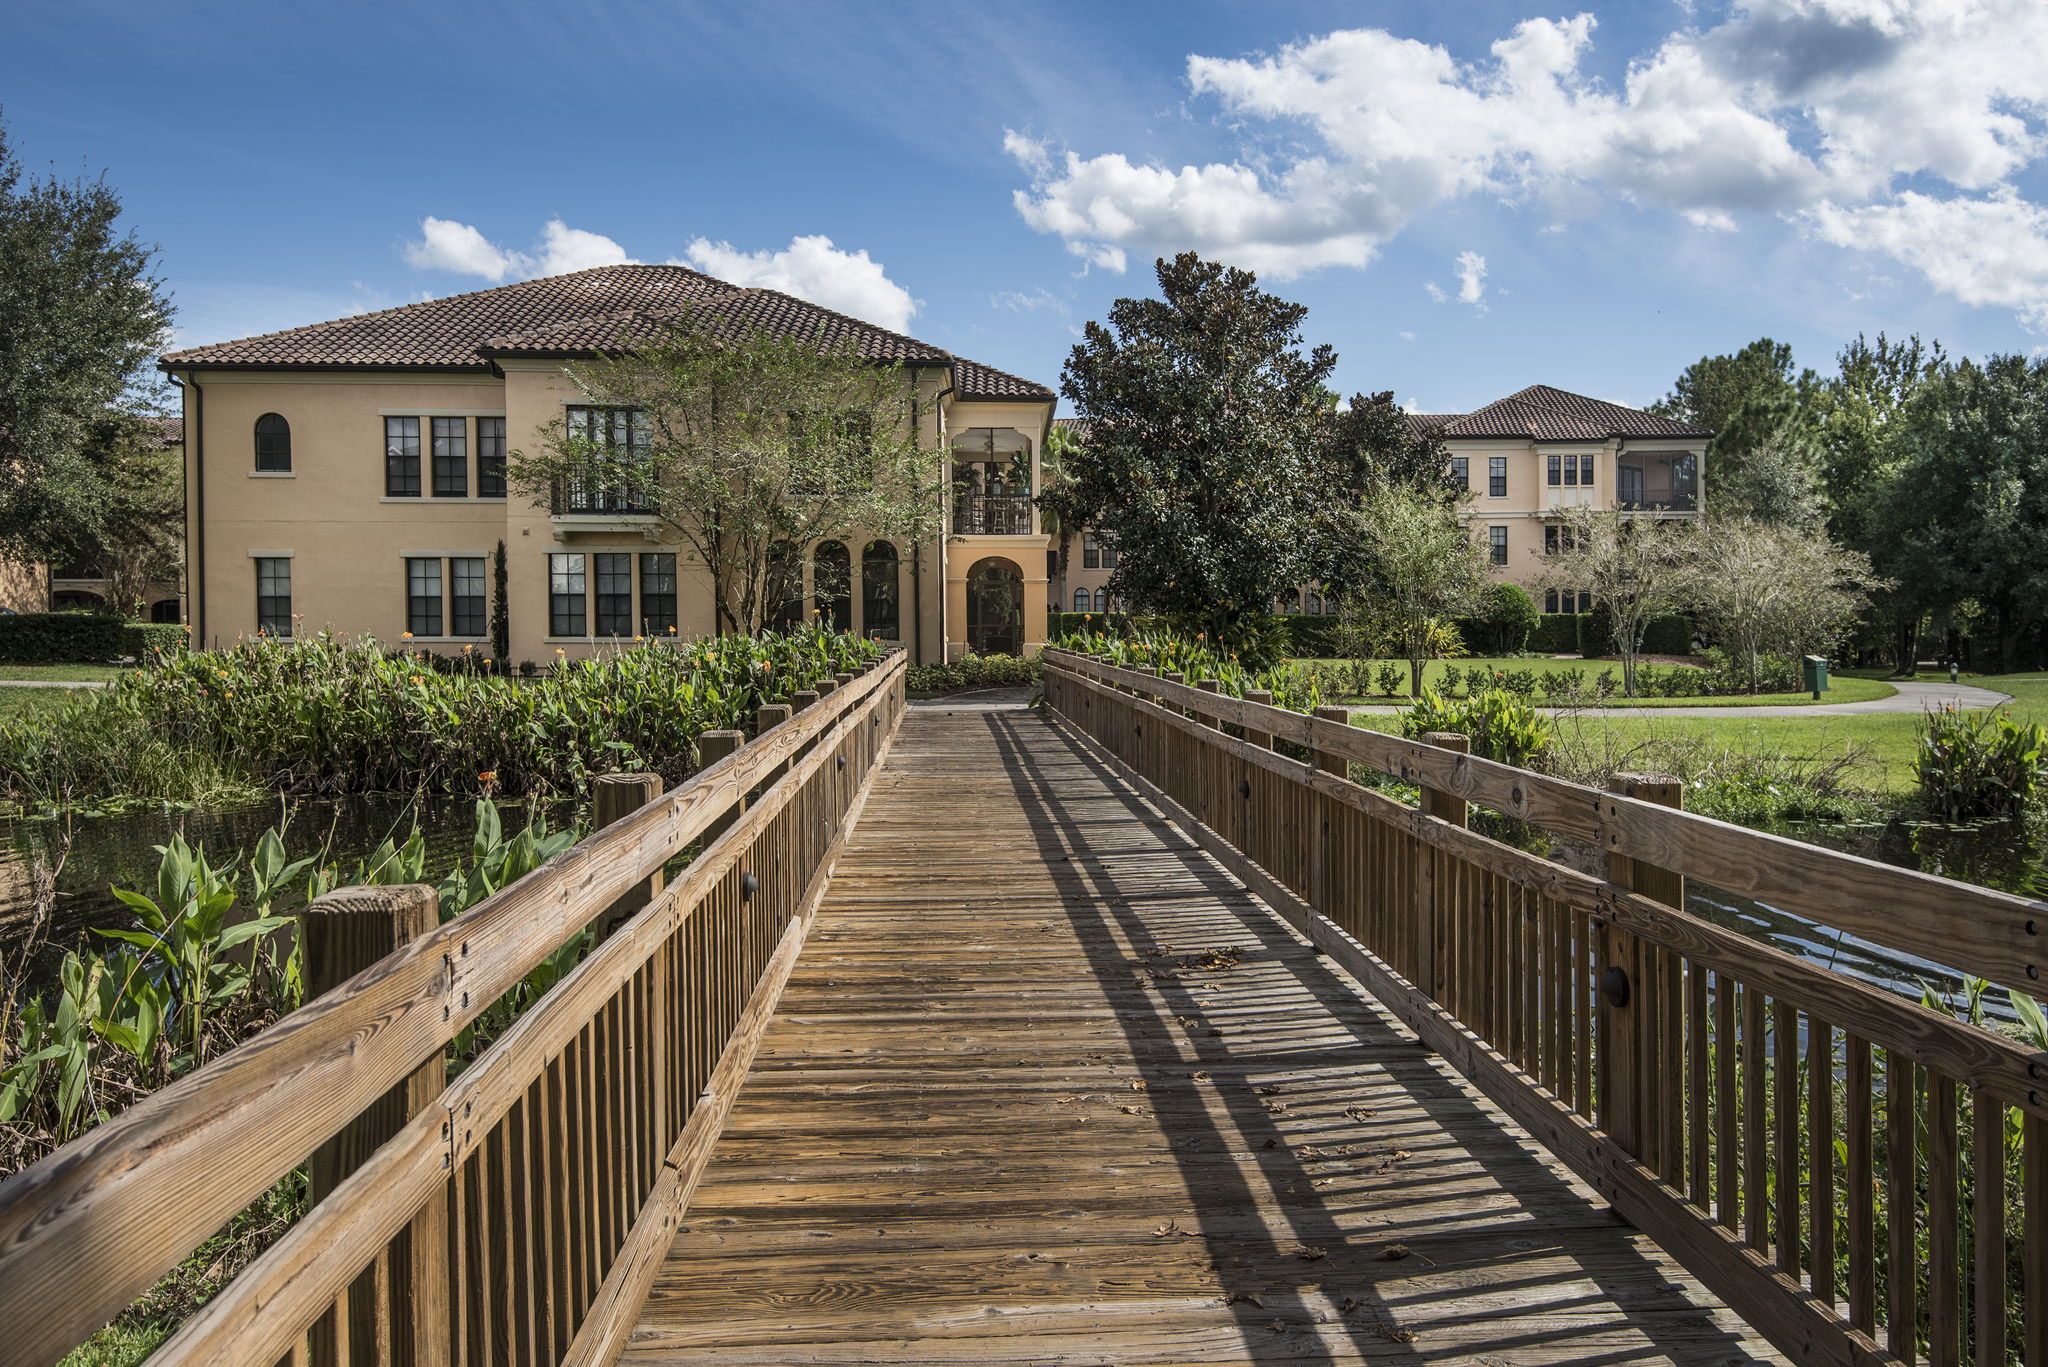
(1060, 624)
(1556, 633)
(82, 638)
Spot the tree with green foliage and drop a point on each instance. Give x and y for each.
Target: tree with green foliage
(1205, 427)
(741, 443)
(1712, 390)
(1968, 507)
(1770, 587)
(83, 317)
(1061, 445)
(1634, 567)
(1372, 446)
(1428, 570)
(1507, 614)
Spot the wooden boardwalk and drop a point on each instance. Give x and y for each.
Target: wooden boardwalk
(1050, 1087)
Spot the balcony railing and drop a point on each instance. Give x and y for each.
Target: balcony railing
(572, 498)
(1658, 501)
(992, 515)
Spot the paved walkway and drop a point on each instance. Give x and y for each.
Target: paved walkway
(52, 683)
(1914, 697)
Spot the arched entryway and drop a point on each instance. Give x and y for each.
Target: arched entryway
(995, 607)
(832, 585)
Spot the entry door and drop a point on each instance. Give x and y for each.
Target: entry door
(995, 609)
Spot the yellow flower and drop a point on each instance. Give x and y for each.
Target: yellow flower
(417, 679)
(405, 636)
(560, 651)
(222, 672)
(467, 649)
(638, 639)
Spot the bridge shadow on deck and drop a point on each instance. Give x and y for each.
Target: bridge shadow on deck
(1051, 1087)
(1408, 1240)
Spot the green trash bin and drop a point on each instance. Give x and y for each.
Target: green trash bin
(1814, 670)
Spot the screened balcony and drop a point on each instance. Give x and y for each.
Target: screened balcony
(992, 482)
(1657, 482)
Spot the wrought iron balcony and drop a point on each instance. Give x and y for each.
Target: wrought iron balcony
(992, 515)
(573, 498)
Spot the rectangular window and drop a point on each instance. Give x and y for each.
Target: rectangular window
(1091, 552)
(1461, 472)
(657, 594)
(614, 595)
(401, 457)
(1586, 470)
(613, 479)
(1585, 600)
(274, 595)
(490, 457)
(1497, 476)
(466, 598)
(451, 457)
(423, 597)
(1550, 543)
(565, 596)
(1497, 544)
(1557, 472)
(1550, 600)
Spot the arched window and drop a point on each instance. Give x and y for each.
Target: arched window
(880, 618)
(1102, 600)
(832, 585)
(1315, 603)
(1080, 600)
(273, 444)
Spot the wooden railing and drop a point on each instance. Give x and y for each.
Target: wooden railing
(518, 1213)
(1862, 1178)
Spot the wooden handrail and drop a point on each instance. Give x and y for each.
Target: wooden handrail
(1991, 934)
(1736, 1067)
(87, 1229)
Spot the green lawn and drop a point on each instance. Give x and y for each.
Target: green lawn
(1884, 743)
(1845, 688)
(65, 673)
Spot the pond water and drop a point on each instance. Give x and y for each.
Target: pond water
(88, 853)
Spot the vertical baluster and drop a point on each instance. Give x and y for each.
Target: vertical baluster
(1902, 1263)
(1987, 1115)
(1755, 1154)
(1727, 1109)
(2034, 1238)
(1944, 1306)
(1860, 1179)
(1785, 1112)
(1820, 1153)
(1699, 1115)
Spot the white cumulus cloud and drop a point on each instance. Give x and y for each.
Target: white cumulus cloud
(809, 268)
(1827, 112)
(1471, 271)
(1990, 252)
(812, 268)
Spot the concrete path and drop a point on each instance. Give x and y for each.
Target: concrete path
(52, 683)
(1914, 697)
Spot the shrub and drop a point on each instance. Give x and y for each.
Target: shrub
(83, 638)
(1060, 624)
(1502, 727)
(1555, 633)
(1974, 765)
(1315, 637)
(1507, 614)
(329, 715)
(975, 671)
(1390, 677)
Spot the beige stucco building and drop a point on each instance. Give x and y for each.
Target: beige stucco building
(350, 475)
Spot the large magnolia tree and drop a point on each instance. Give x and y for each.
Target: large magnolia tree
(1206, 426)
(746, 445)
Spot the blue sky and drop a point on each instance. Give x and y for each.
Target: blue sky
(1470, 197)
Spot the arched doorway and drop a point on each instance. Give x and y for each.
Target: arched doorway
(832, 585)
(880, 617)
(995, 607)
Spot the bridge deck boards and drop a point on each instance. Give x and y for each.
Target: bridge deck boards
(1050, 1087)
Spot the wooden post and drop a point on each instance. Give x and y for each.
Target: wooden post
(1633, 1014)
(1445, 807)
(343, 933)
(1323, 859)
(1262, 739)
(803, 698)
(766, 720)
(1210, 686)
(713, 746)
(615, 797)
(826, 687)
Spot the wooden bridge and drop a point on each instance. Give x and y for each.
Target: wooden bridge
(1125, 1031)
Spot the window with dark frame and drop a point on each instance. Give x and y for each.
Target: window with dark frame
(490, 458)
(623, 432)
(1091, 552)
(1586, 471)
(1556, 469)
(467, 599)
(566, 607)
(273, 444)
(1080, 600)
(1102, 600)
(1461, 472)
(451, 457)
(880, 591)
(401, 457)
(614, 594)
(658, 593)
(1497, 544)
(1497, 476)
(274, 595)
(423, 595)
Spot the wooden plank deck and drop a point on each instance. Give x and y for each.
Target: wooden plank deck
(1050, 1087)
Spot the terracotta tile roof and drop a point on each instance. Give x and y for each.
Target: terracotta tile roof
(1419, 423)
(974, 380)
(562, 316)
(164, 433)
(442, 334)
(1543, 413)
